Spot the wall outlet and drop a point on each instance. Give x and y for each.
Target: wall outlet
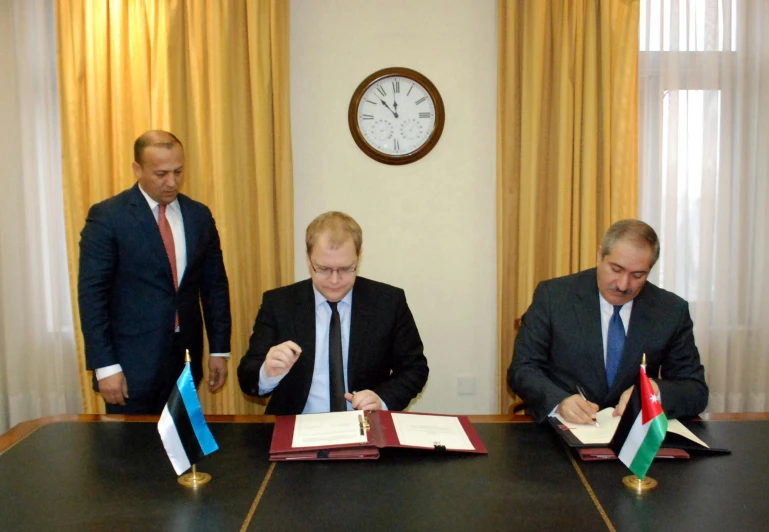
(466, 385)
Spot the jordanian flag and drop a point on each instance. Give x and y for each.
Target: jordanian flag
(641, 429)
(182, 426)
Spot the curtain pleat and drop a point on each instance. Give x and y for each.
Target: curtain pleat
(567, 143)
(215, 73)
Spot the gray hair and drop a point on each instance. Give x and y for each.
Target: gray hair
(636, 231)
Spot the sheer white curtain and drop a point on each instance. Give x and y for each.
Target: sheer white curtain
(704, 180)
(38, 360)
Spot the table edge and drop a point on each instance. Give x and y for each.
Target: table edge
(25, 428)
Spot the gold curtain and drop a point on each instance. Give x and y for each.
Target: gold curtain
(215, 73)
(567, 143)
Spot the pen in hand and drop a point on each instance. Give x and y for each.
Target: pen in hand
(581, 393)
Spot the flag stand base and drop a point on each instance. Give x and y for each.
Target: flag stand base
(640, 485)
(194, 479)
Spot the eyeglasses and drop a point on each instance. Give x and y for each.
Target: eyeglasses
(322, 271)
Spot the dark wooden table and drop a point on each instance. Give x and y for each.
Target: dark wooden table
(111, 472)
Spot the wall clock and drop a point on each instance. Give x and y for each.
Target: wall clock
(396, 116)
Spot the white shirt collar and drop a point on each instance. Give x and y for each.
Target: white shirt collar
(174, 205)
(608, 307)
(321, 300)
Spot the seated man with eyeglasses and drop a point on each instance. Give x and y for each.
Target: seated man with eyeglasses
(335, 341)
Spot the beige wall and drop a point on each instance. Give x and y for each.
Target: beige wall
(429, 227)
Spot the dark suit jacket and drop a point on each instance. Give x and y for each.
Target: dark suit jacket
(560, 345)
(385, 352)
(126, 292)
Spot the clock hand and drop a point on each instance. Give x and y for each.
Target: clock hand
(388, 107)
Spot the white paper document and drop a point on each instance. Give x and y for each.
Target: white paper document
(331, 428)
(417, 430)
(602, 434)
(590, 434)
(677, 427)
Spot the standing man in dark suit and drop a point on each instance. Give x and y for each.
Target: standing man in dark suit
(148, 257)
(592, 328)
(335, 341)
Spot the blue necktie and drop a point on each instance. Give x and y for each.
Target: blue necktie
(615, 342)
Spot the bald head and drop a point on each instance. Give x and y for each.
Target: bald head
(159, 165)
(155, 137)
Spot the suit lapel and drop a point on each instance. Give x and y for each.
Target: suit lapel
(192, 233)
(360, 321)
(304, 330)
(148, 226)
(588, 309)
(638, 329)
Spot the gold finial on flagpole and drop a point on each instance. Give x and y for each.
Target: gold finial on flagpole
(643, 360)
(187, 358)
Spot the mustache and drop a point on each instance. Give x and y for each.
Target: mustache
(626, 292)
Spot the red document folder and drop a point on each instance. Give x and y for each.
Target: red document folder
(590, 454)
(379, 430)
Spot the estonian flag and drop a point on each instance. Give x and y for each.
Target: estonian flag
(182, 427)
(641, 429)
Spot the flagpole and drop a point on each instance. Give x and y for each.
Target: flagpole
(194, 478)
(640, 485)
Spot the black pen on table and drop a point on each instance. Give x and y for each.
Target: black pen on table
(581, 393)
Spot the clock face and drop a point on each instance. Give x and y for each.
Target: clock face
(396, 116)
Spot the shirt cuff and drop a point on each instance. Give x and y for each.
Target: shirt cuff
(268, 384)
(225, 355)
(107, 371)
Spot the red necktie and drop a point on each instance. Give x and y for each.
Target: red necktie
(168, 242)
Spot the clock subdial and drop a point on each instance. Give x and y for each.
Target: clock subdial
(382, 130)
(411, 129)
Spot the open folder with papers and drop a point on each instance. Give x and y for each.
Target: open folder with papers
(358, 435)
(591, 441)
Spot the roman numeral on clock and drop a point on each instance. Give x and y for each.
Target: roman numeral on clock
(424, 115)
(381, 90)
(420, 100)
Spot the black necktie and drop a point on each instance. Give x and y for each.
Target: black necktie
(335, 362)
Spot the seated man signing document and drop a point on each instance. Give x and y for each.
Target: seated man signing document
(336, 341)
(588, 332)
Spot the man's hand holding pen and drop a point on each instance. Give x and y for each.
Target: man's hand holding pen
(365, 400)
(577, 409)
(281, 358)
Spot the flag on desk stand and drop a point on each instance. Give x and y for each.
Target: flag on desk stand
(641, 429)
(183, 428)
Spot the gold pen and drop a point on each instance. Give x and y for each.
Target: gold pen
(581, 393)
